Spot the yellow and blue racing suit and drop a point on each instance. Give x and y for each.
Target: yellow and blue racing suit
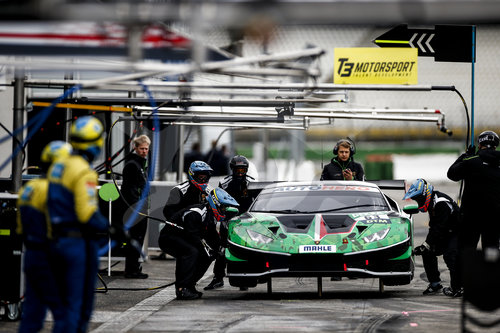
(76, 222)
(41, 287)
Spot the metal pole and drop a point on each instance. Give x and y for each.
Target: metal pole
(68, 113)
(472, 85)
(18, 121)
(180, 168)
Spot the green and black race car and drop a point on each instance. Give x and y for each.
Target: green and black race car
(321, 229)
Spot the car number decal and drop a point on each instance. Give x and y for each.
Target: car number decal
(317, 248)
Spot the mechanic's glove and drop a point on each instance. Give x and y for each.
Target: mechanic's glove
(471, 150)
(119, 234)
(422, 249)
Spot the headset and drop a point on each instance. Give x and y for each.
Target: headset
(352, 147)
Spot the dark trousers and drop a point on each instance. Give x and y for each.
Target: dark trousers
(475, 225)
(137, 230)
(449, 250)
(220, 260)
(132, 255)
(191, 259)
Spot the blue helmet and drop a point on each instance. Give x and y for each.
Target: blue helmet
(421, 192)
(219, 200)
(199, 174)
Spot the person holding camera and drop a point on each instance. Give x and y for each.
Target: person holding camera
(343, 167)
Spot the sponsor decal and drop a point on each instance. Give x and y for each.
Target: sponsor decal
(369, 219)
(317, 249)
(324, 188)
(376, 66)
(57, 171)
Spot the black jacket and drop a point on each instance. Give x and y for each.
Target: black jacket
(443, 219)
(134, 178)
(181, 196)
(333, 170)
(238, 189)
(481, 175)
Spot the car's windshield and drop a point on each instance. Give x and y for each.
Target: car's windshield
(322, 201)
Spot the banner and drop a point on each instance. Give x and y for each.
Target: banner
(365, 65)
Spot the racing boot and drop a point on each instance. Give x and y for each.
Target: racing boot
(433, 288)
(215, 284)
(449, 291)
(186, 294)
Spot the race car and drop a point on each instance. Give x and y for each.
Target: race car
(321, 229)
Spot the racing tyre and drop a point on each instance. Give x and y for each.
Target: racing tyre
(243, 282)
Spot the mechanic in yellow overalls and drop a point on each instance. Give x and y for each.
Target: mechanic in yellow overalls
(41, 288)
(76, 222)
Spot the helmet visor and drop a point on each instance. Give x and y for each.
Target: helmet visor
(201, 177)
(240, 171)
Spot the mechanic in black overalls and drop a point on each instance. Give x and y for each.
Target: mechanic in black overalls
(343, 167)
(236, 185)
(193, 240)
(442, 238)
(190, 192)
(135, 176)
(481, 196)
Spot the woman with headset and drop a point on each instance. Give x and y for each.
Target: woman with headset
(343, 167)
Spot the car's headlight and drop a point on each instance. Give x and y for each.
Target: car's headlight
(258, 237)
(379, 235)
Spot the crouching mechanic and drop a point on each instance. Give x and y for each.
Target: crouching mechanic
(76, 222)
(442, 238)
(236, 185)
(41, 288)
(193, 240)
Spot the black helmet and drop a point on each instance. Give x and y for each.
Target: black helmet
(488, 139)
(239, 165)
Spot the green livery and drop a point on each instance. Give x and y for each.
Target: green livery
(323, 228)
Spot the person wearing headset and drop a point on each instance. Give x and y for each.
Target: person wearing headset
(343, 167)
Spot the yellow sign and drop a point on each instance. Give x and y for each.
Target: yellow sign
(366, 65)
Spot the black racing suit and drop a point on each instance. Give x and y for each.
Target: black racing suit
(192, 258)
(238, 189)
(442, 239)
(481, 197)
(334, 169)
(181, 196)
(134, 182)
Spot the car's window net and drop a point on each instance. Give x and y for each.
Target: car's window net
(320, 202)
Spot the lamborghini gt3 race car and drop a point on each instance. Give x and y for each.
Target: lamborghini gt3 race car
(322, 228)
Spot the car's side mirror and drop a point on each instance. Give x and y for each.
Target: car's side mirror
(231, 212)
(410, 209)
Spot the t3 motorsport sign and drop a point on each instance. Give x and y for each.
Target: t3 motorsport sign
(375, 66)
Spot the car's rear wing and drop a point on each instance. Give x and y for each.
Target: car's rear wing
(384, 184)
(390, 184)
